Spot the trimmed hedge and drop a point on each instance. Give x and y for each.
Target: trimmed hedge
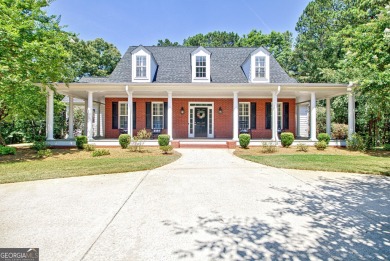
(166, 149)
(89, 147)
(100, 152)
(39, 145)
(44, 153)
(324, 137)
(244, 140)
(321, 145)
(124, 140)
(7, 150)
(287, 138)
(163, 140)
(80, 141)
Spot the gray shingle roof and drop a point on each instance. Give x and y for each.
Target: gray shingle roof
(174, 66)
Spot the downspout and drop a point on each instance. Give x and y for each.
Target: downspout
(129, 111)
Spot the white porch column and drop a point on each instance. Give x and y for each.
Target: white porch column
(90, 116)
(235, 115)
(170, 115)
(328, 130)
(274, 116)
(98, 120)
(103, 113)
(130, 113)
(50, 118)
(351, 113)
(85, 116)
(313, 117)
(71, 118)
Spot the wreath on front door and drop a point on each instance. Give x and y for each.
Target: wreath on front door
(201, 114)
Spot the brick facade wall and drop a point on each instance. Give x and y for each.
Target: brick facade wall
(223, 122)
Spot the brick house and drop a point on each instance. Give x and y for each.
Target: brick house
(197, 92)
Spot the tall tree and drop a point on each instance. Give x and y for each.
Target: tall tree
(366, 62)
(213, 39)
(343, 41)
(92, 58)
(279, 44)
(31, 51)
(167, 42)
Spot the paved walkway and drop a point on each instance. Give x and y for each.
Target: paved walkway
(208, 205)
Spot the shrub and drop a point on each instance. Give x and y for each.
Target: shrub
(39, 145)
(268, 148)
(339, 131)
(386, 147)
(137, 142)
(7, 150)
(302, 147)
(163, 140)
(124, 140)
(324, 137)
(321, 145)
(89, 147)
(80, 141)
(244, 140)
(287, 138)
(166, 148)
(100, 152)
(44, 153)
(355, 142)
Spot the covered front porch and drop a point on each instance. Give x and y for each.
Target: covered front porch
(303, 95)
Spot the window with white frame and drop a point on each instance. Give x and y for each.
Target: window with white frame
(260, 67)
(123, 112)
(280, 115)
(158, 115)
(200, 67)
(243, 115)
(141, 66)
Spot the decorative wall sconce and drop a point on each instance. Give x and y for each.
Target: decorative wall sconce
(220, 110)
(182, 110)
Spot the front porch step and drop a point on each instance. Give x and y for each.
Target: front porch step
(202, 146)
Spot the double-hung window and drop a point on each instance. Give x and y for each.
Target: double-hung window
(244, 115)
(123, 112)
(141, 66)
(158, 115)
(200, 67)
(260, 67)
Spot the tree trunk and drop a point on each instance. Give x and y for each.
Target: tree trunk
(2, 141)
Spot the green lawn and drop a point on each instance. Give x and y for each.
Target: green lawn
(71, 163)
(324, 162)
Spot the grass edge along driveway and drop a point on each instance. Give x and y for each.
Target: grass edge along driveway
(364, 164)
(81, 163)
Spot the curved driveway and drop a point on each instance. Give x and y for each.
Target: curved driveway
(208, 205)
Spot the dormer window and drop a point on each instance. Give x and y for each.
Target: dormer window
(260, 67)
(141, 66)
(200, 66)
(257, 66)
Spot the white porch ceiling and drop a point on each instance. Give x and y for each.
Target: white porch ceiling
(299, 91)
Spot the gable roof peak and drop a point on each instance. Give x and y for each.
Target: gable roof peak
(140, 47)
(261, 49)
(201, 48)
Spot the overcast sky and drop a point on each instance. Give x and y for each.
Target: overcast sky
(128, 22)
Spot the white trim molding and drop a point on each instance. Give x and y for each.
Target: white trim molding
(200, 52)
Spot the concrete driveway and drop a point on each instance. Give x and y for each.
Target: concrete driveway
(208, 205)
